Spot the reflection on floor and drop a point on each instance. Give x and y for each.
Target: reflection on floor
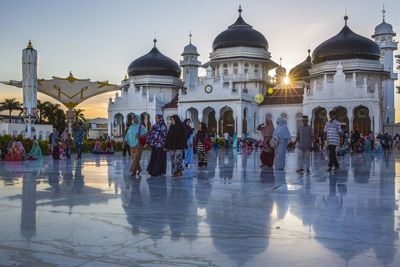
(93, 213)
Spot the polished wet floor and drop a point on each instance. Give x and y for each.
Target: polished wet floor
(92, 213)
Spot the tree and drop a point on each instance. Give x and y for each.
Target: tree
(41, 107)
(10, 104)
(79, 114)
(54, 114)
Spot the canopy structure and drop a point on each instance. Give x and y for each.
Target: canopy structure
(70, 91)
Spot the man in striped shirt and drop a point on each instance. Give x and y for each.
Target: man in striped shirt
(332, 131)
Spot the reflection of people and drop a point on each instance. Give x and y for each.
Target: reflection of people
(78, 182)
(282, 135)
(156, 140)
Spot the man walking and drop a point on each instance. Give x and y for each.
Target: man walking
(332, 132)
(304, 140)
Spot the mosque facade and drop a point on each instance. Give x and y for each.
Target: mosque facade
(348, 73)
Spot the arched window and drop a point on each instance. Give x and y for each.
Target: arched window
(246, 65)
(235, 65)
(225, 66)
(246, 70)
(235, 71)
(284, 115)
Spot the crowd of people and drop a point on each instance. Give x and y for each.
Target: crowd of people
(179, 140)
(184, 144)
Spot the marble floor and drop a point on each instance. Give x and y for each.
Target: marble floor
(92, 213)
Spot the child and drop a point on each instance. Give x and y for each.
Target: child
(68, 146)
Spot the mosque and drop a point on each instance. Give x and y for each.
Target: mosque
(348, 73)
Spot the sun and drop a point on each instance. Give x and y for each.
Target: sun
(286, 80)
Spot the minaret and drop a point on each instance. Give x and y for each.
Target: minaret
(29, 84)
(384, 38)
(190, 64)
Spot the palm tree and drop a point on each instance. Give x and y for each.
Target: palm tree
(79, 114)
(42, 109)
(10, 104)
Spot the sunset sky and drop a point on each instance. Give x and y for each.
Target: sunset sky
(98, 39)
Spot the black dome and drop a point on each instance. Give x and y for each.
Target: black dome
(240, 34)
(346, 45)
(154, 63)
(300, 71)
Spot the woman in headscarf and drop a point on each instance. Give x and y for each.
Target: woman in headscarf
(202, 153)
(176, 143)
(156, 140)
(266, 131)
(36, 152)
(189, 140)
(13, 154)
(135, 131)
(282, 135)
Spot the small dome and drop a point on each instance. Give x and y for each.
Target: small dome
(190, 49)
(383, 28)
(240, 34)
(300, 71)
(346, 45)
(154, 63)
(280, 71)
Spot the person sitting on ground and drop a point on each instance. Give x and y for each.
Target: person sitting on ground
(97, 147)
(36, 152)
(109, 148)
(358, 146)
(14, 153)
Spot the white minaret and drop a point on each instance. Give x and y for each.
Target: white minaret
(190, 65)
(384, 38)
(29, 85)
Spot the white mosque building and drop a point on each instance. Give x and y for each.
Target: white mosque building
(348, 73)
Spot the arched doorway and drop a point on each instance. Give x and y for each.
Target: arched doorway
(244, 122)
(209, 120)
(341, 116)
(227, 121)
(193, 115)
(361, 121)
(319, 120)
(119, 125)
(145, 119)
(130, 118)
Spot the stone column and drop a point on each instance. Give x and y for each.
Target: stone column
(217, 118)
(239, 124)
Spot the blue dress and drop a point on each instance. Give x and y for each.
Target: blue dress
(282, 134)
(189, 155)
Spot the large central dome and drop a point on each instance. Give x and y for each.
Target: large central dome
(346, 45)
(240, 34)
(154, 63)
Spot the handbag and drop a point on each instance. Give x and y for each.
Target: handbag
(273, 143)
(142, 138)
(207, 144)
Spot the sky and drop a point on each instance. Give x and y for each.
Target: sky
(98, 39)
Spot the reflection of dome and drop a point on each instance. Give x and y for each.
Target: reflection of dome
(300, 71)
(154, 63)
(240, 34)
(346, 45)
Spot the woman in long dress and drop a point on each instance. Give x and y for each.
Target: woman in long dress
(282, 135)
(202, 153)
(189, 151)
(135, 131)
(156, 140)
(266, 131)
(176, 143)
